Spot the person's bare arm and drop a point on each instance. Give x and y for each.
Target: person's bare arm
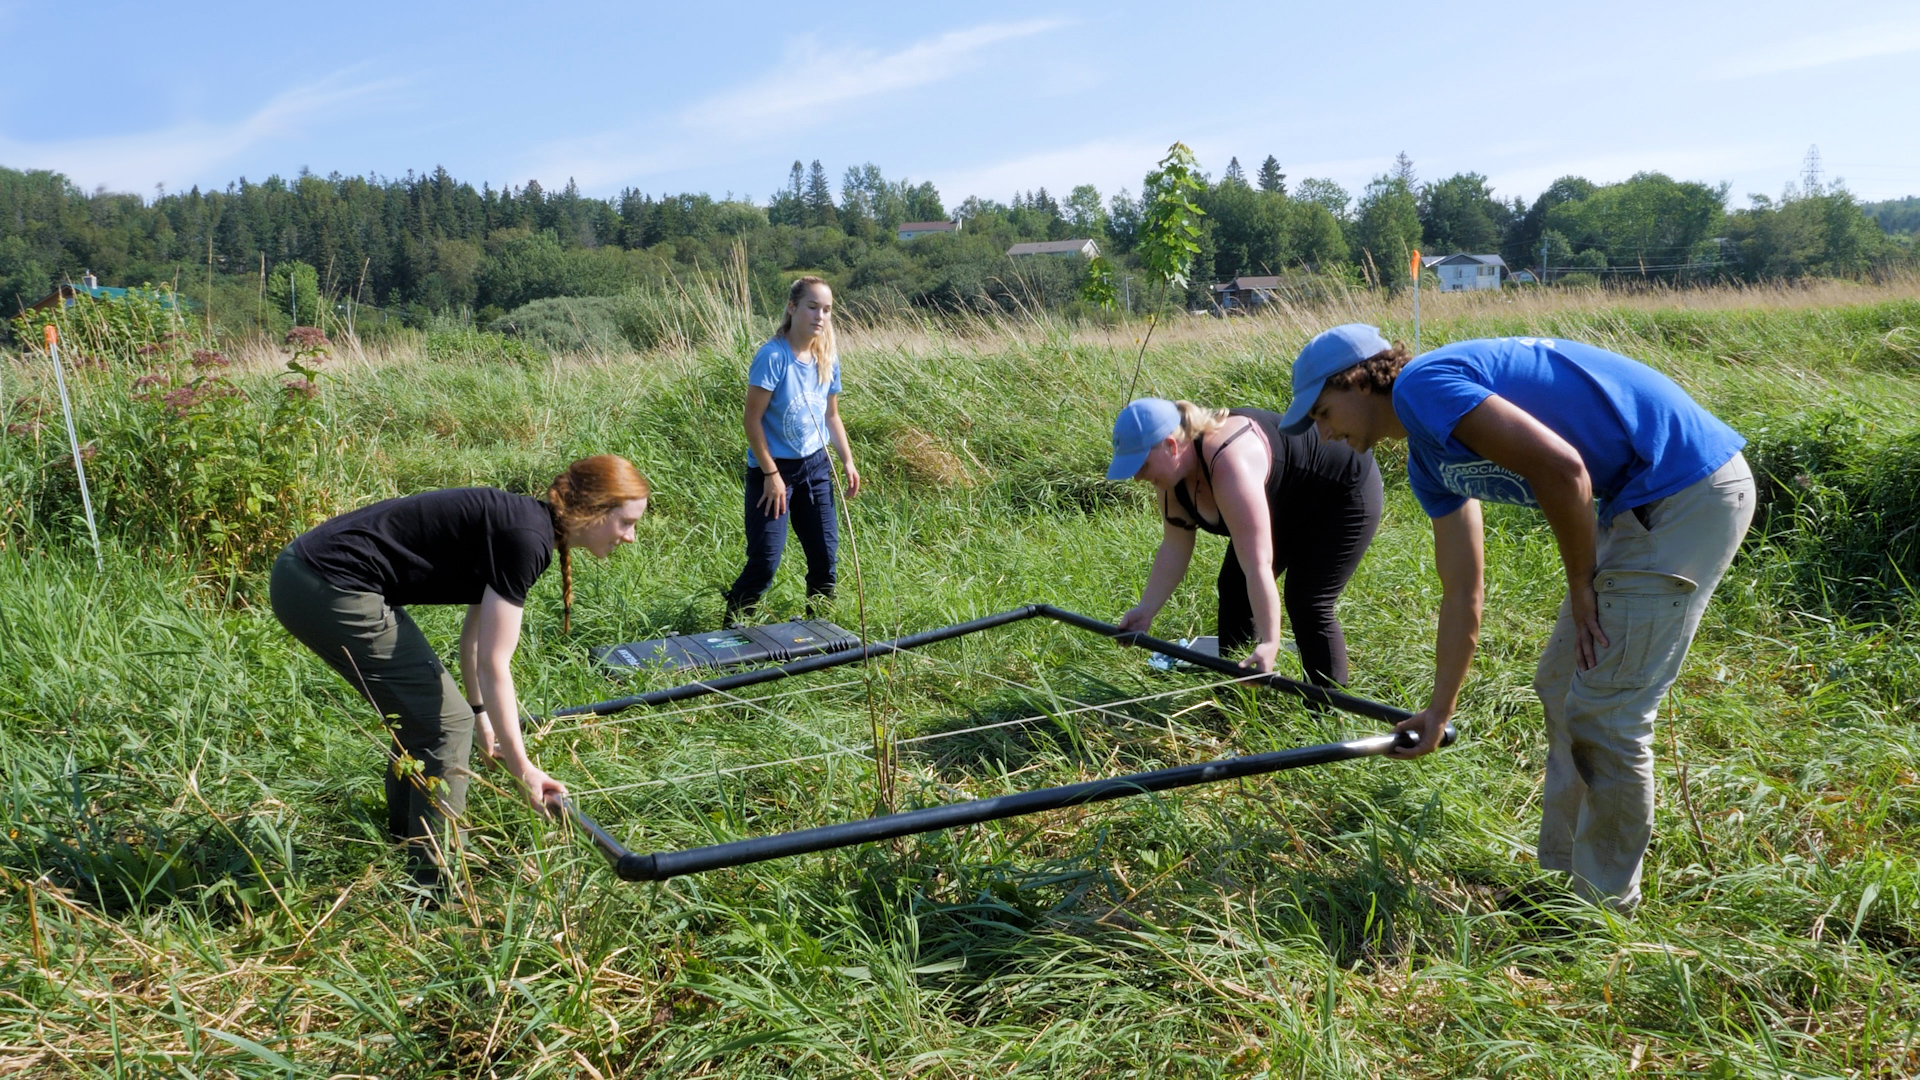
(470, 680)
(498, 635)
(773, 497)
(1511, 438)
(1240, 491)
(837, 431)
(1169, 569)
(1459, 555)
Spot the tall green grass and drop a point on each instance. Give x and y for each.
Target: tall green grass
(196, 881)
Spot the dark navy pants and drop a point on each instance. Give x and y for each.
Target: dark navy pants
(810, 506)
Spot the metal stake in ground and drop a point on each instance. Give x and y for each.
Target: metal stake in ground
(73, 440)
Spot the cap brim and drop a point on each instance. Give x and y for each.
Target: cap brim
(1125, 465)
(1296, 420)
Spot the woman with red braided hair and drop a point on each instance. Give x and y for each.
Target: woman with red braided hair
(343, 587)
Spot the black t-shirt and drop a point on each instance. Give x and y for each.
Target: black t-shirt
(438, 547)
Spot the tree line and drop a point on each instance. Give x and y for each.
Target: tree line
(428, 245)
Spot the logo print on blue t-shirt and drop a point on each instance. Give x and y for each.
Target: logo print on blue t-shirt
(1483, 480)
(805, 418)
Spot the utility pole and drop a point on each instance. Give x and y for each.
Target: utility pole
(1543, 260)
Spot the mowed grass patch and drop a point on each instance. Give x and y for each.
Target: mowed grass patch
(196, 881)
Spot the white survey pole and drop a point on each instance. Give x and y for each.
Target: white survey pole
(73, 440)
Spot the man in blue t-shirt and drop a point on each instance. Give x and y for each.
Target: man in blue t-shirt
(1561, 426)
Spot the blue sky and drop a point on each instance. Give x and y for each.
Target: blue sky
(986, 98)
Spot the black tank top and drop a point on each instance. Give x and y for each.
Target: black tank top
(1304, 474)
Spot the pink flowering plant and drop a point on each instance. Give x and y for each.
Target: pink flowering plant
(185, 452)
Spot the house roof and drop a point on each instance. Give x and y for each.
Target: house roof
(1051, 247)
(1483, 260)
(1270, 281)
(67, 292)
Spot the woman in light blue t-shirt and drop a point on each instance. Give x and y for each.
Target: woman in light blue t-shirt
(792, 414)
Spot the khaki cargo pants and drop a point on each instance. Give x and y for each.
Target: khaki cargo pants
(1658, 565)
(381, 652)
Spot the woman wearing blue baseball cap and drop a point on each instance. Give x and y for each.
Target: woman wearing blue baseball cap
(1558, 425)
(1289, 504)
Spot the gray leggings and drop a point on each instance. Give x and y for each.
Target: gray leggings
(381, 652)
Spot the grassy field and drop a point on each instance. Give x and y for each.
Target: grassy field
(196, 882)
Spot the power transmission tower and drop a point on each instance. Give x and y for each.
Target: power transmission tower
(1810, 180)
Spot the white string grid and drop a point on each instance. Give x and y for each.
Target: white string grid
(604, 722)
(1080, 707)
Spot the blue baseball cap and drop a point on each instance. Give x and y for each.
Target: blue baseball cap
(1137, 430)
(1330, 353)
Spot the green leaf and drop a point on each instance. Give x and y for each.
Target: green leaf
(254, 1048)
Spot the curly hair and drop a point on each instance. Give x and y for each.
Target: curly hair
(1375, 374)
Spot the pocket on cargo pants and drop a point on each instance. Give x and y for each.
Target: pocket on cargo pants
(1644, 615)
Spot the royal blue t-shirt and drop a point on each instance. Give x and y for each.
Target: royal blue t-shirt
(1642, 438)
(796, 419)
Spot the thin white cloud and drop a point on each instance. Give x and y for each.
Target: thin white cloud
(811, 78)
(1862, 42)
(134, 161)
(809, 86)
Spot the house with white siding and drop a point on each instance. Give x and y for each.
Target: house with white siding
(1467, 273)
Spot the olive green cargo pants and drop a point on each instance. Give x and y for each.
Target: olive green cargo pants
(381, 652)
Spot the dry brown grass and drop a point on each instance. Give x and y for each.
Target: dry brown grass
(902, 330)
(928, 462)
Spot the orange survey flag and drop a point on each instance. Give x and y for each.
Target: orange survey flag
(52, 335)
(1414, 265)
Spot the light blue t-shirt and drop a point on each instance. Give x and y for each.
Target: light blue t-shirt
(796, 419)
(1641, 437)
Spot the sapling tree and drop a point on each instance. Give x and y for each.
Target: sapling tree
(1169, 234)
(1099, 290)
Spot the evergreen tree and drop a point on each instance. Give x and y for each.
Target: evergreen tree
(1271, 178)
(789, 206)
(1234, 174)
(819, 196)
(1403, 171)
